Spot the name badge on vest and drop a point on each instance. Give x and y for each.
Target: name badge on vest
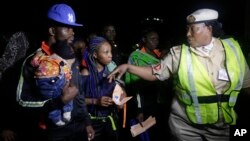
(223, 75)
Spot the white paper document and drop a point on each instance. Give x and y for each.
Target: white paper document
(117, 96)
(143, 126)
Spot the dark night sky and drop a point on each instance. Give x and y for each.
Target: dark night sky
(126, 14)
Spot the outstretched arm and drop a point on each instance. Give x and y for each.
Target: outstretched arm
(145, 73)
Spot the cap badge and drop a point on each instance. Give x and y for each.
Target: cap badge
(70, 18)
(191, 19)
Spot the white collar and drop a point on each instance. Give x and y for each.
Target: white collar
(206, 49)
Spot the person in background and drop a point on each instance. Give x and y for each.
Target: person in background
(208, 73)
(15, 47)
(147, 103)
(60, 23)
(79, 46)
(98, 90)
(109, 33)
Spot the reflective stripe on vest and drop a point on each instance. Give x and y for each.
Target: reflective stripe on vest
(195, 88)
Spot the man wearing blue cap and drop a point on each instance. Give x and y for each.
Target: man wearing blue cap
(208, 74)
(61, 20)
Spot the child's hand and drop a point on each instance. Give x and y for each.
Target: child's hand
(106, 101)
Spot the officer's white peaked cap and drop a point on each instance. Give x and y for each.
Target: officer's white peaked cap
(202, 15)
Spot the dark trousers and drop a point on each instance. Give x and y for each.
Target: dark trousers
(74, 131)
(104, 131)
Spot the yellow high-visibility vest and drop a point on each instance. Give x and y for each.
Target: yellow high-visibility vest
(196, 91)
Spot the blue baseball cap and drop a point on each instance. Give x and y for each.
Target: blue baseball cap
(64, 14)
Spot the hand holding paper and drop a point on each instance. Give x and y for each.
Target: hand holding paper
(143, 126)
(118, 96)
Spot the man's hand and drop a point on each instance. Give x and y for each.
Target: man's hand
(69, 92)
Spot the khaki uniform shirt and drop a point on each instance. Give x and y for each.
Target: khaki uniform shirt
(214, 62)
